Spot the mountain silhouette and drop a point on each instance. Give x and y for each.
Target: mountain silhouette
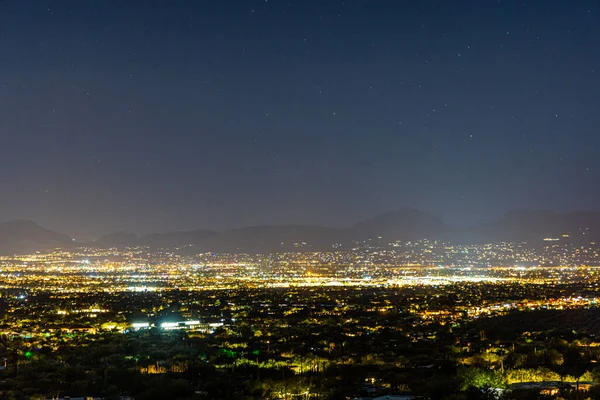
(21, 236)
(533, 226)
(117, 239)
(529, 226)
(403, 224)
(176, 239)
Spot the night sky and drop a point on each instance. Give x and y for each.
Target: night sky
(164, 115)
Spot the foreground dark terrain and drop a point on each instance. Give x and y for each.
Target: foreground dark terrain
(303, 343)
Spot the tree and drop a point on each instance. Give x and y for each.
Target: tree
(481, 379)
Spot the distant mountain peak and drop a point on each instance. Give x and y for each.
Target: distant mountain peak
(400, 224)
(21, 235)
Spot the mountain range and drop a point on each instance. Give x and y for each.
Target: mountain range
(21, 236)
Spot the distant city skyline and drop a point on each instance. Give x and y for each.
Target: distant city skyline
(162, 116)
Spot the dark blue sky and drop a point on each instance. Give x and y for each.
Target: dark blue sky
(162, 115)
